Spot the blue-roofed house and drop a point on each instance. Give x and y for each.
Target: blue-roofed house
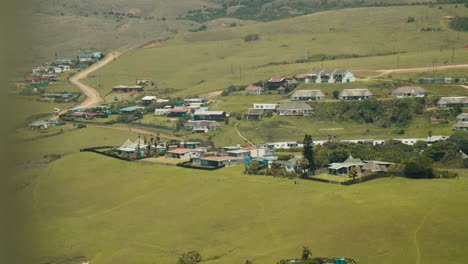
(130, 109)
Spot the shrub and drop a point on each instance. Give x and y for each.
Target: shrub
(419, 167)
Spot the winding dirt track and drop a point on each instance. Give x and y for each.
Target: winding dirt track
(93, 97)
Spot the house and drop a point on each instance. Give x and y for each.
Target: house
(57, 96)
(276, 82)
(341, 76)
(88, 56)
(452, 101)
(268, 106)
(307, 95)
(460, 126)
(373, 166)
(281, 145)
(182, 154)
(220, 161)
(191, 101)
(463, 117)
(409, 91)
(255, 152)
(178, 112)
(253, 90)
(191, 144)
(209, 115)
(282, 90)
(255, 114)
(144, 82)
(355, 94)
(130, 109)
(148, 99)
(127, 89)
(294, 108)
(330, 76)
(301, 77)
(202, 126)
(43, 124)
(240, 153)
(161, 111)
(343, 168)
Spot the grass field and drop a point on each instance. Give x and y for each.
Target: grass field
(215, 59)
(117, 212)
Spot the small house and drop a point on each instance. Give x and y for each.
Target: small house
(355, 94)
(307, 95)
(463, 117)
(300, 77)
(191, 101)
(343, 76)
(266, 106)
(130, 109)
(460, 126)
(182, 154)
(240, 153)
(178, 112)
(127, 89)
(276, 82)
(253, 90)
(409, 91)
(209, 115)
(220, 161)
(161, 111)
(144, 82)
(202, 126)
(340, 168)
(452, 101)
(148, 99)
(255, 114)
(294, 109)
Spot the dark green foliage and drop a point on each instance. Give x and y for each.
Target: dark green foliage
(305, 253)
(385, 113)
(441, 151)
(191, 257)
(308, 152)
(254, 167)
(269, 10)
(460, 138)
(419, 167)
(459, 23)
(200, 28)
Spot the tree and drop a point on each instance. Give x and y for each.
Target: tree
(248, 261)
(336, 93)
(353, 173)
(419, 167)
(191, 257)
(305, 253)
(308, 152)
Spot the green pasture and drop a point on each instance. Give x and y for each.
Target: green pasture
(112, 211)
(197, 63)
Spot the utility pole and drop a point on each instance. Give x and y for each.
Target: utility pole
(308, 56)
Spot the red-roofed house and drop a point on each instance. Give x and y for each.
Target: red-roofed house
(276, 82)
(182, 154)
(178, 112)
(301, 77)
(253, 89)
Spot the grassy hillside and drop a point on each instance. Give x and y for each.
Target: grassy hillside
(63, 27)
(116, 212)
(196, 63)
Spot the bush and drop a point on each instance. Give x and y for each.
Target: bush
(251, 37)
(419, 167)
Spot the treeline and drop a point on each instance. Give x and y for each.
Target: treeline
(269, 10)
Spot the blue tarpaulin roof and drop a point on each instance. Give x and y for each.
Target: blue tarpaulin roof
(131, 108)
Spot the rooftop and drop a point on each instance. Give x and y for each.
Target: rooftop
(294, 106)
(308, 93)
(356, 92)
(180, 151)
(409, 89)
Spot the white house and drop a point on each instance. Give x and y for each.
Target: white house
(409, 91)
(148, 99)
(267, 106)
(327, 76)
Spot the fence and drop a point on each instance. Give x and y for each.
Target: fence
(95, 150)
(369, 177)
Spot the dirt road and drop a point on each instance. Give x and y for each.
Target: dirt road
(419, 69)
(93, 97)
